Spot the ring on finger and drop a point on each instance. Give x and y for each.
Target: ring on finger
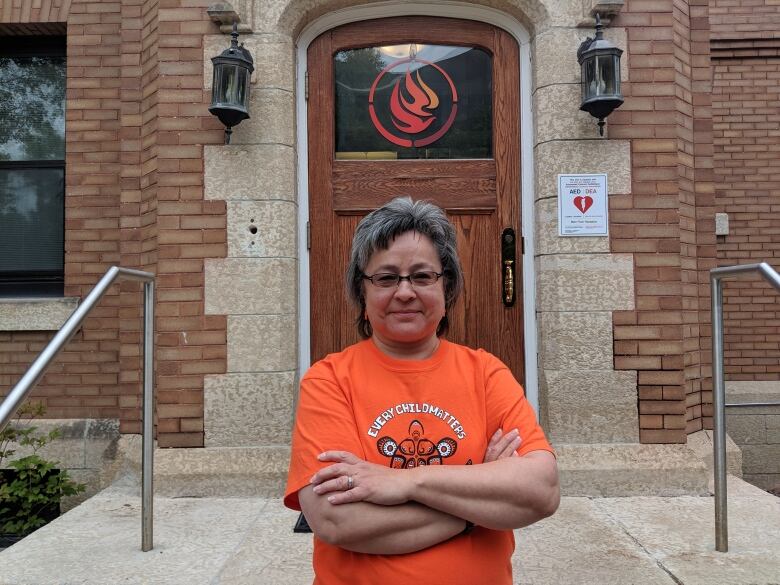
(350, 482)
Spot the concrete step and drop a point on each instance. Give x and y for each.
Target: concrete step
(633, 469)
(645, 540)
(212, 472)
(601, 470)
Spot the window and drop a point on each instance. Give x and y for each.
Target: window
(413, 101)
(32, 166)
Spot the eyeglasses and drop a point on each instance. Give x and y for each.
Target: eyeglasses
(390, 279)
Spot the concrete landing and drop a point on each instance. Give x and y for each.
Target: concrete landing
(645, 540)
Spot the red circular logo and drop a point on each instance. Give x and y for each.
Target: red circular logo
(412, 108)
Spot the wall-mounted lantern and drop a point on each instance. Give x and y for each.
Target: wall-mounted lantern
(230, 91)
(600, 70)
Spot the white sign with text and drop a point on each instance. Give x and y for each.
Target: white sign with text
(582, 205)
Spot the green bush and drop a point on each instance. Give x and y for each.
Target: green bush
(31, 487)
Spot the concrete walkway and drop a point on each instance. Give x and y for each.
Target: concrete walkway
(221, 541)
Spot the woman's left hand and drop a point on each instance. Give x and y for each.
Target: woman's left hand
(369, 482)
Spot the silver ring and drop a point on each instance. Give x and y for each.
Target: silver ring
(350, 482)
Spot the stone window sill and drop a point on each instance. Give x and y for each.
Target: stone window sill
(43, 314)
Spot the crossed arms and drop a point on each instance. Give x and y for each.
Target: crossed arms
(396, 511)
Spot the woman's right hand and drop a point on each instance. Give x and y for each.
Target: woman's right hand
(502, 445)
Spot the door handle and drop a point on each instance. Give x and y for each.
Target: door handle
(509, 283)
(508, 242)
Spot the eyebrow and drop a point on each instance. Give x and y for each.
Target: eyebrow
(412, 268)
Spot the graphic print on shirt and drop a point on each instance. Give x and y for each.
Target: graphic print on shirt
(416, 449)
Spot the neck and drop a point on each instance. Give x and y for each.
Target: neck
(420, 350)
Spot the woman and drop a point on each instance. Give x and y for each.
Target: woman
(413, 458)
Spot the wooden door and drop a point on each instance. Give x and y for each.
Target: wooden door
(481, 195)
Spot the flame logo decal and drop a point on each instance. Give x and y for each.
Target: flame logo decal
(412, 105)
(410, 117)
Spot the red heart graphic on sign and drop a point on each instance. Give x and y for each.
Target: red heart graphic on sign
(583, 202)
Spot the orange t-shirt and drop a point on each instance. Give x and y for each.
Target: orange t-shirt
(442, 410)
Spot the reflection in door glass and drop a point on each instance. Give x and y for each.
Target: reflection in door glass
(413, 101)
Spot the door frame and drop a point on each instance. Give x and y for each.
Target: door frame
(452, 10)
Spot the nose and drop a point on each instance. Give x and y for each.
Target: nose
(405, 290)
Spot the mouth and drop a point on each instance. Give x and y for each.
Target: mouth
(404, 313)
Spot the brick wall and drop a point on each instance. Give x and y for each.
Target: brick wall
(189, 228)
(659, 221)
(136, 124)
(83, 382)
(746, 112)
(734, 19)
(697, 205)
(746, 116)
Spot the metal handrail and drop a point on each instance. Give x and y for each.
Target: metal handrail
(719, 391)
(38, 368)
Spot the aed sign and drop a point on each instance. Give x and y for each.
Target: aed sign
(582, 205)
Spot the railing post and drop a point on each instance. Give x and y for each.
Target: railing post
(719, 390)
(147, 457)
(719, 418)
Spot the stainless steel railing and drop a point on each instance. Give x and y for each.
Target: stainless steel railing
(719, 391)
(38, 368)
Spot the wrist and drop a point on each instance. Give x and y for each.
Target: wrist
(414, 479)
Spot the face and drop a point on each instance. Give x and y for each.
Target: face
(404, 314)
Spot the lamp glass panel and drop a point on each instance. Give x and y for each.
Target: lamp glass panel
(216, 89)
(606, 74)
(413, 101)
(588, 79)
(242, 86)
(229, 84)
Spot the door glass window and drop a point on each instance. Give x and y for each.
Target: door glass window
(413, 101)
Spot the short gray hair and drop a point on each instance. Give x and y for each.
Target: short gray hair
(378, 229)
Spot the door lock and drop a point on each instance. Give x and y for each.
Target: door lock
(508, 264)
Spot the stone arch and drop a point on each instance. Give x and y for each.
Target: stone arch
(296, 15)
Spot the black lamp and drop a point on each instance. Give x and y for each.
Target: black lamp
(230, 91)
(600, 70)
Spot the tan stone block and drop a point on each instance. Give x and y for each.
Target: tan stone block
(272, 119)
(272, 55)
(582, 156)
(590, 406)
(273, 222)
(746, 428)
(760, 459)
(585, 282)
(557, 115)
(554, 54)
(700, 443)
(549, 242)
(576, 341)
(243, 410)
(261, 343)
(630, 469)
(67, 450)
(100, 441)
(250, 286)
(563, 13)
(766, 481)
(254, 172)
(36, 314)
(222, 472)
